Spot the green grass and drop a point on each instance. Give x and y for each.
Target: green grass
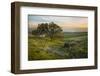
(47, 49)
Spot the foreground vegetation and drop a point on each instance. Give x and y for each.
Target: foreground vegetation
(72, 45)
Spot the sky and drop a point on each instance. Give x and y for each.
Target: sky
(67, 23)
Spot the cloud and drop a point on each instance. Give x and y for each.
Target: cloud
(65, 22)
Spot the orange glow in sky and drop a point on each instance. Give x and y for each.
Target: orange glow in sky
(68, 24)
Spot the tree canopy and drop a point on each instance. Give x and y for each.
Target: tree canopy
(49, 29)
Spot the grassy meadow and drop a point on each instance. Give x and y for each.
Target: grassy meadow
(72, 46)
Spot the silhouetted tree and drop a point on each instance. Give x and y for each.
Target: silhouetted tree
(54, 29)
(49, 29)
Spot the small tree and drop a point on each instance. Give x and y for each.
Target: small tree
(49, 29)
(42, 28)
(54, 29)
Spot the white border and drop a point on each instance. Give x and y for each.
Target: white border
(25, 64)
